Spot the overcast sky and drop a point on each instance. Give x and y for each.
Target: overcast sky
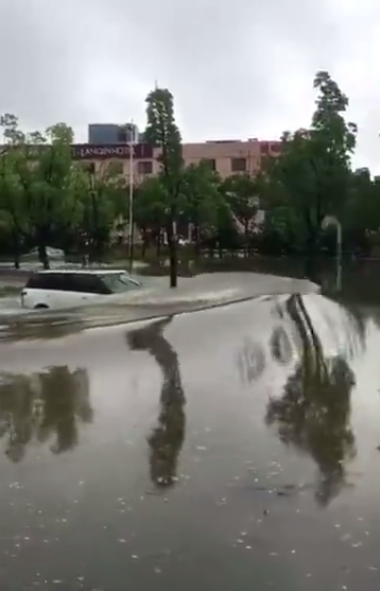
(237, 69)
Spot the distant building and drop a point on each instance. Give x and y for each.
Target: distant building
(227, 157)
(113, 133)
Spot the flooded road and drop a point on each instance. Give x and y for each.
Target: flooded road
(231, 448)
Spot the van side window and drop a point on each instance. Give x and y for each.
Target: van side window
(87, 283)
(49, 281)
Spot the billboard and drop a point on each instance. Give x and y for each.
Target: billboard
(104, 151)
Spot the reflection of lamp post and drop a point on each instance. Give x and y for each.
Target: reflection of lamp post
(331, 220)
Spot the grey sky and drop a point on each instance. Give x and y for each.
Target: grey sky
(237, 70)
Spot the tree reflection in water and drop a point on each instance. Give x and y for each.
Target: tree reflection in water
(314, 412)
(40, 406)
(167, 438)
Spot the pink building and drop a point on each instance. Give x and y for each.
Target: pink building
(227, 157)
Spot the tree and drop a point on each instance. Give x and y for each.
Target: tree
(150, 210)
(99, 198)
(361, 219)
(46, 181)
(162, 132)
(35, 181)
(202, 201)
(241, 194)
(312, 174)
(13, 214)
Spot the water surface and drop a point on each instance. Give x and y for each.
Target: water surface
(231, 448)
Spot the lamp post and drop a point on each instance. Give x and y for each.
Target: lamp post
(331, 220)
(131, 144)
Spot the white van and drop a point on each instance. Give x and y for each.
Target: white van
(69, 288)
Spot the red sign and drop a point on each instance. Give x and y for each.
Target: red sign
(102, 152)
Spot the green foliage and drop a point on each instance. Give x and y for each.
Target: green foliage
(241, 193)
(162, 132)
(312, 174)
(202, 201)
(151, 204)
(45, 196)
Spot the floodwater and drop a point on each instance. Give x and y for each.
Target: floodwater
(231, 448)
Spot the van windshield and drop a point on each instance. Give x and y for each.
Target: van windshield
(120, 282)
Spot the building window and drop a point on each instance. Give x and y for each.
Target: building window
(238, 164)
(144, 167)
(122, 136)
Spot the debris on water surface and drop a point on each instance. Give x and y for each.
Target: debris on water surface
(134, 556)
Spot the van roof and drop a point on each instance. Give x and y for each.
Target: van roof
(83, 271)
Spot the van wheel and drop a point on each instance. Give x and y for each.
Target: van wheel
(41, 307)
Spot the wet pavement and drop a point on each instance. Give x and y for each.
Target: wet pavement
(232, 448)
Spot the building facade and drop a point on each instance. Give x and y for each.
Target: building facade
(226, 157)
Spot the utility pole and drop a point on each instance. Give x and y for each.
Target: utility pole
(131, 144)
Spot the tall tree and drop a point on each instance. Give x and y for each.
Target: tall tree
(46, 181)
(35, 179)
(162, 132)
(313, 172)
(12, 203)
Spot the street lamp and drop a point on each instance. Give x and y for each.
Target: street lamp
(131, 144)
(331, 220)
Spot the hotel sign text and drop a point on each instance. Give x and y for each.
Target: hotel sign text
(102, 152)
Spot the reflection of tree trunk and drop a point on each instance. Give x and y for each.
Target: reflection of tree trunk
(313, 412)
(167, 438)
(313, 357)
